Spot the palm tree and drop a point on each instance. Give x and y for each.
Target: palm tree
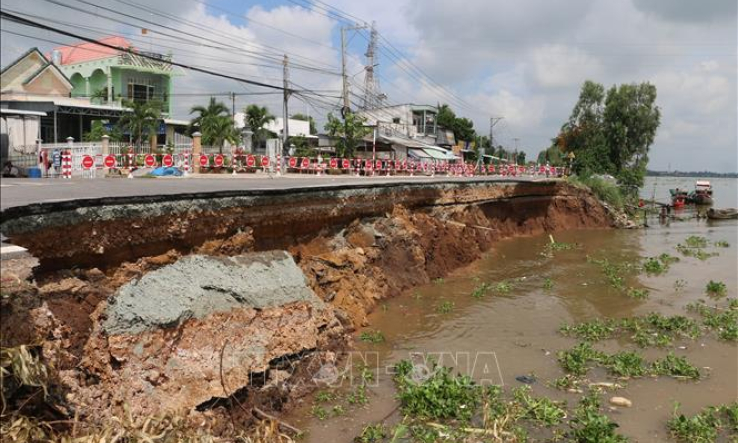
(214, 123)
(142, 119)
(256, 117)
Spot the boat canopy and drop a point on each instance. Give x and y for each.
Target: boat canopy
(703, 183)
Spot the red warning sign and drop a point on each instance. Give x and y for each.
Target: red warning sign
(88, 162)
(167, 160)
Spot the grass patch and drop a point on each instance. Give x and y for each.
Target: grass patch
(606, 191)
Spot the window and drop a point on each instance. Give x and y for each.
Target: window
(396, 120)
(140, 90)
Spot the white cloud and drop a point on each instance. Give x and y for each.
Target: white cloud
(557, 66)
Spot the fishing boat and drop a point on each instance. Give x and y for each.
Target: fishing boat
(702, 194)
(722, 214)
(679, 197)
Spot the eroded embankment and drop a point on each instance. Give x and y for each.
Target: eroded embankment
(107, 326)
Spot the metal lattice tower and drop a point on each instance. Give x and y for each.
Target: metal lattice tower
(372, 95)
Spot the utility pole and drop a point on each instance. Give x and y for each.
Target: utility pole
(516, 139)
(346, 102)
(492, 122)
(285, 110)
(233, 107)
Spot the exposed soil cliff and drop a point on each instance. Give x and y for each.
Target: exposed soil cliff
(354, 247)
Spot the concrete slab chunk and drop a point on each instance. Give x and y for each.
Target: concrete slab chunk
(199, 285)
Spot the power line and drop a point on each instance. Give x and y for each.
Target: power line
(34, 24)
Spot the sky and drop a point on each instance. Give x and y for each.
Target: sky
(524, 61)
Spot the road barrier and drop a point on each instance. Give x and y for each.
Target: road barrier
(313, 165)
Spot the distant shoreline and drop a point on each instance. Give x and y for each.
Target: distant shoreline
(702, 174)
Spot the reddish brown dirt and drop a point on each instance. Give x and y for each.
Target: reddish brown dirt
(352, 259)
(381, 257)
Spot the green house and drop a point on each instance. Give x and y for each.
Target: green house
(108, 76)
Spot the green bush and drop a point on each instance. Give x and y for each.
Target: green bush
(606, 191)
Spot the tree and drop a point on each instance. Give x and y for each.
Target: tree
(142, 120)
(463, 128)
(351, 131)
(214, 123)
(630, 121)
(256, 117)
(97, 130)
(520, 158)
(307, 118)
(612, 133)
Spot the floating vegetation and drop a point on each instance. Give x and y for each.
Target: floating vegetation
(440, 395)
(705, 426)
(582, 357)
(481, 290)
(675, 366)
(696, 252)
(372, 336)
(567, 382)
(372, 433)
(548, 284)
(579, 359)
(625, 364)
(659, 265)
(541, 409)
(694, 241)
(438, 281)
(554, 246)
(654, 266)
(721, 244)
(724, 322)
(503, 287)
(445, 307)
(614, 271)
(679, 284)
(637, 293)
(589, 425)
(716, 289)
(650, 330)
(446, 407)
(592, 331)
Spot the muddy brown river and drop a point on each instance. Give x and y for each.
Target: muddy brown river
(504, 335)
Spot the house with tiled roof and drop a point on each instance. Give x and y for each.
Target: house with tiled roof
(78, 84)
(109, 76)
(34, 74)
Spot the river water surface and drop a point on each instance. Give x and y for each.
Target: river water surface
(516, 333)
